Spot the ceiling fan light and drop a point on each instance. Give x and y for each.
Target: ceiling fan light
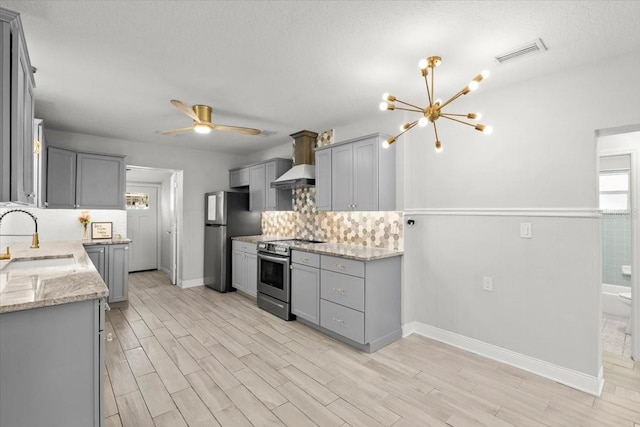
(200, 128)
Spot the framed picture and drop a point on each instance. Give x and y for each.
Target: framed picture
(101, 230)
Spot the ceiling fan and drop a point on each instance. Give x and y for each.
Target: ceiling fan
(201, 116)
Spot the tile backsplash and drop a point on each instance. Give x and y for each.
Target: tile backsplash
(373, 229)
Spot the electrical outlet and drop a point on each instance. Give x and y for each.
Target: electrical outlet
(525, 230)
(487, 283)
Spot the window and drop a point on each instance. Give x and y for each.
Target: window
(614, 191)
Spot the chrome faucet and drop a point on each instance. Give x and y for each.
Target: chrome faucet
(35, 243)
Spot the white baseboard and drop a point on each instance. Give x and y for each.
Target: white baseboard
(192, 283)
(578, 380)
(165, 271)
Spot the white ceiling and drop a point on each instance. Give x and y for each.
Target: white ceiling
(110, 68)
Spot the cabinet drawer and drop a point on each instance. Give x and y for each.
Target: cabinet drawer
(243, 246)
(342, 289)
(305, 258)
(342, 320)
(342, 265)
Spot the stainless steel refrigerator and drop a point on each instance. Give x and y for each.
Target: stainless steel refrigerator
(227, 215)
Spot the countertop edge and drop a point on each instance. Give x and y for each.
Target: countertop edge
(54, 301)
(346, 256)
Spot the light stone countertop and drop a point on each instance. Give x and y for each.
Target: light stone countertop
(27, 288)
(259, 238)
(106, 242)
(359, 253)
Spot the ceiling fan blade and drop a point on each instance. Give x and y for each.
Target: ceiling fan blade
(237, 129)
(172, 131)
(185, 109)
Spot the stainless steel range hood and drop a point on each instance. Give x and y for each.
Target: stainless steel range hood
(303, 173)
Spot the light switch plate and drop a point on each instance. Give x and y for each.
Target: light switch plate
(487, 283)
(525, 230)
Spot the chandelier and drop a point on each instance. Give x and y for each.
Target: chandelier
(434, 110)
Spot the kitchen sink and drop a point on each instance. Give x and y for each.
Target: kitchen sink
(18, 264)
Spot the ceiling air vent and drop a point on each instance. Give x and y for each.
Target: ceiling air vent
(535, 46)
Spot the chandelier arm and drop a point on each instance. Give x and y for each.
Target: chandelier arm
(453, 114)
(411, 125)
(456, 120)
(453, 98)
(410, 105)
(426, 83)
(408, 109)
(435, 129)
(433, 87)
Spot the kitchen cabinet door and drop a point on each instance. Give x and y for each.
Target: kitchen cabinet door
(97, 254)
(271, 195)
(257, 187)
(251, 269)
(305, 292)
(365, 175)
(118, 272)
(239, 178)
(323, 180)
(238, 270)
(22, 129)
(342, 177)
(61, 178)
(100, 181)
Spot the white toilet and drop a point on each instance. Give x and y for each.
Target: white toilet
(625, 297)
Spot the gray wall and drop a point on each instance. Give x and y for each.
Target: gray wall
(203, 171)
(541, 157)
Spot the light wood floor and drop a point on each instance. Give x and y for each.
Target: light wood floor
(200, 358)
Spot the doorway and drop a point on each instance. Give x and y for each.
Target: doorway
(153, 201)
(618, 163)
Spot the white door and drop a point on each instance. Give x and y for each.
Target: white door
(142, 227)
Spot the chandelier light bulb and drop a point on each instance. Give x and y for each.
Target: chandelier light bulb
(438, 147)
(404, 127)
(423, 121)
(384, 106)
(485, 74)
(437, 102)
(423, 64)
(474, 116)
(385, 144)
(473, 85)
(488, 130)
(388, 97)
(203, 129)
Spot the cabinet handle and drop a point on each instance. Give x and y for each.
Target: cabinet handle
(340, 266)
(109, 337)
(335, 319)
(107, 307)
(339, 290)
(101, 250)
(126, 248)
(46, 204)
(305, 259)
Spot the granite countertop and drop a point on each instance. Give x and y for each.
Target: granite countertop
(32, 287)
(359, 253)
(91, 242)
(259, 238)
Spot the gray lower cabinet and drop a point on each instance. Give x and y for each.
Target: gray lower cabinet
(112, 262)
(77, 180)
(356, 175)
(16, 113)
(244, 267)
(305, 286)
(359, 301)
(52, 366)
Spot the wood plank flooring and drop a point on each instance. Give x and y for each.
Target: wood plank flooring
(195, 357)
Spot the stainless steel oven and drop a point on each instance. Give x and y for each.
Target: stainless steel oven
(274, 277)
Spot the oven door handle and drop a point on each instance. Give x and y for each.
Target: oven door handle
(277, 259)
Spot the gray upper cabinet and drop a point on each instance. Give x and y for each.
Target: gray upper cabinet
(323, 180)
(61, 179)
(16, 113)
(100, 181)
(257, 188)
(361, 175)
(238, 177)
(84, 180)
(261, 196)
